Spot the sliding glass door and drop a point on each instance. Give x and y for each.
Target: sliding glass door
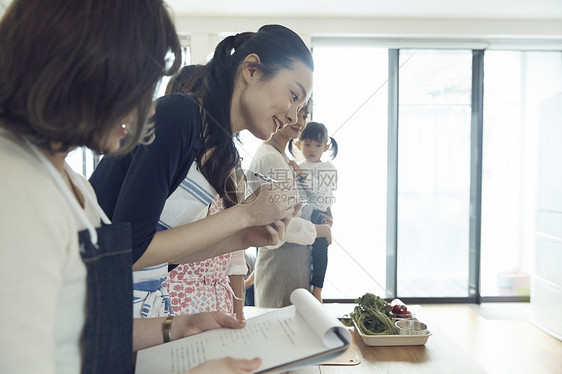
(434, 122)
(516, 84)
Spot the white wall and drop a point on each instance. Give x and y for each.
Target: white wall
(382, 27)
(530, 34)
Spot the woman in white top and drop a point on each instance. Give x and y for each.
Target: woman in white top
(71, 72)
(282, 268)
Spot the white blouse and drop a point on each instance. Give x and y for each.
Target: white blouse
(270, 162)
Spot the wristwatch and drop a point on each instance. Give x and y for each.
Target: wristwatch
(167, 329)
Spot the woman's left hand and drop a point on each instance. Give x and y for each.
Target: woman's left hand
(186, 325)
(147, 332)
(272, 202)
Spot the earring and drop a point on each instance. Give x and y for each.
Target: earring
(123, 126)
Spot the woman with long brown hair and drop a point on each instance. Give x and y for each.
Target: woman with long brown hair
(71, 73)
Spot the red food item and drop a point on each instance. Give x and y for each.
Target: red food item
(396, 308)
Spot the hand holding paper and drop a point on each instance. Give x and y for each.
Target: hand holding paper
(301, 334)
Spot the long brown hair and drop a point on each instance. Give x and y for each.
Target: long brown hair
(71, 70)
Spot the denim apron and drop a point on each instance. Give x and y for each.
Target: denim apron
(106, 252)
(108, 338)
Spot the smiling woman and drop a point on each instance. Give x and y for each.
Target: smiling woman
(255, 81)
(285, 267)
(259, 97)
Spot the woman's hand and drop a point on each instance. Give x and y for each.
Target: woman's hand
(297, 169)
(262, 236)
(227, 365)
(272, 202)
(324, 231)
(250, 280)
(294, 165)
(185, 325)
(147, 332)
(196, 323)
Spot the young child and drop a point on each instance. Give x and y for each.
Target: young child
(319, 181)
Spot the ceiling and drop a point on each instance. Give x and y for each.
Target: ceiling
(468, 9)
(436, 9)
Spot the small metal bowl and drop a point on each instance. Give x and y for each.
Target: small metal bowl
(411, 327)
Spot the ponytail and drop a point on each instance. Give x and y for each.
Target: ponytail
(219, 155)
(333, 148)
(278, 48)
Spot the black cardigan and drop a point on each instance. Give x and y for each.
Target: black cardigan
(134, 187)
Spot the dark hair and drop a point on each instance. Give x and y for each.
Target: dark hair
(71, 70)
(278, 48)
(186, 79)
(318, 132)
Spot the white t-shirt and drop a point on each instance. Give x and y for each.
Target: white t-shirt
(42, 274)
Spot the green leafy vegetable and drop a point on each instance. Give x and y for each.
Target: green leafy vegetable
(371, 315)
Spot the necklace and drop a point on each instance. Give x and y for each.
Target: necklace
(275, 145)
(298, 177)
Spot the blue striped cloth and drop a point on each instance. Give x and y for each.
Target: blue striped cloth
(150, 296)
(187, 204)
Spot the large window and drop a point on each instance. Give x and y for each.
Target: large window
(350, 98)
(435, 154)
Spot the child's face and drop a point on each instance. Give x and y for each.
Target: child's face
(312, 150)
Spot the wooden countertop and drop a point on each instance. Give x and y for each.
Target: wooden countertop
(438, 355)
